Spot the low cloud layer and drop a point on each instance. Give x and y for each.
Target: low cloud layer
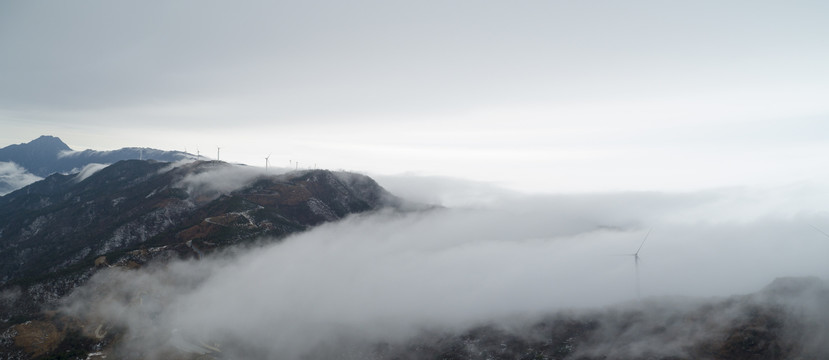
(214, 179)
(13, 177)
(385, 276)
(88, 170)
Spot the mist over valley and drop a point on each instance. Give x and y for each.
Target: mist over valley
(204, 259)
(389, 180)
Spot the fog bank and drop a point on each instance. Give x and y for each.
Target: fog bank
(13, 177)
(385, 276)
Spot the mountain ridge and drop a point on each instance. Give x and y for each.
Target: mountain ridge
(48, 154)
(56, 232)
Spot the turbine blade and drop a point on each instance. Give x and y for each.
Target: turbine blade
(643, 241)
(819, 230)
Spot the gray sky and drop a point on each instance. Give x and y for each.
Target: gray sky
(536, 95)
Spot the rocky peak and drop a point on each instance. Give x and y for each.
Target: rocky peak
(37, 156)
(48, 142)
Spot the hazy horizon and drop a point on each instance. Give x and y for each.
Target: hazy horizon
(541, 96)
(554, 134)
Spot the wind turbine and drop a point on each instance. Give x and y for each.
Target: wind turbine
(266, 161)
(819, 230)
(636, 261)
(218, 152)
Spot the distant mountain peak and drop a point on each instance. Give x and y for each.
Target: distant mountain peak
(49, 141)
(48, 154)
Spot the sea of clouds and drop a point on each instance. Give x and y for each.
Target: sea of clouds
(487, 254)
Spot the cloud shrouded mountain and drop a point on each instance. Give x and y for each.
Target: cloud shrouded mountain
(144, 260)
(22, 164)
(57, 232)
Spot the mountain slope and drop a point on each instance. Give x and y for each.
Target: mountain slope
(56, 232)
(786, 320)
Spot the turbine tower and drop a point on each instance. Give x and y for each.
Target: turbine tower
(266, 162)
(636, 262)
(218, 152)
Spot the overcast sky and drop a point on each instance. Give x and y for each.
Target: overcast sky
(544, 96)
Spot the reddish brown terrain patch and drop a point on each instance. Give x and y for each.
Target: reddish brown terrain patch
(38, 337)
